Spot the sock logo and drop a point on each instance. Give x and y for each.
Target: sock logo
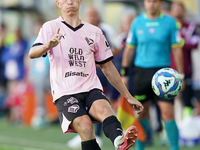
(121, 144)
(120, 130)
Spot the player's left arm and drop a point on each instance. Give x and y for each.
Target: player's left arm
(178, 59)
(114, 78)
(176, 48)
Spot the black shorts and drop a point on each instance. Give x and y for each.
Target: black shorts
(142, 85)
(70, 107)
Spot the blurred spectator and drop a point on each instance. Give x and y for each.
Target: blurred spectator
(3, 81)
(39, 77)
(123, 33)
(165, 8)
(191, 42)
(6, 40)
(148, 33)
(14, 58)
(119, 45)
(14, 72)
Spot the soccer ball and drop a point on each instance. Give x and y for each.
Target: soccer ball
(166, 83)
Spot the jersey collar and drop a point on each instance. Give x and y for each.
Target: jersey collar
(69, 26)
(160, 16)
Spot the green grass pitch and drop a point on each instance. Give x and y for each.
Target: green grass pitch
(17, 137)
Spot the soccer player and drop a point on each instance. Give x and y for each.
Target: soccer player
(151, 38)
(92, 16)
(73, 47)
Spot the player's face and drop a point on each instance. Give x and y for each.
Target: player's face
(177, 11)
(69, 7)
(152, 6)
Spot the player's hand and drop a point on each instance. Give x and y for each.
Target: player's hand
(138, 107)
(55, 40)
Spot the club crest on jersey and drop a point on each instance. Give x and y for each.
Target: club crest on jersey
(107, 44)
(89, 41)
(152, 30)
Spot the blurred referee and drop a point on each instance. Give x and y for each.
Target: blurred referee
(152, 37)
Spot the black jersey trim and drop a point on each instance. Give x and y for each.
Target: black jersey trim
(44, 55)
(105, 61)
(37, 44)
(72, 28)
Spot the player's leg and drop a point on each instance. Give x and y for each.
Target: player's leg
(84, 127)
(104, 82)
(76, 141)
(101, 110)
(144, 120)
(72, 113)
(167, 113)
(142, 92)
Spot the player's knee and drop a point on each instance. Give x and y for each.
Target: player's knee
(83, 124)
(167, 115)
(86, 128)
(106, 111)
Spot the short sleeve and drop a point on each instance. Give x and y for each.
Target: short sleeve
(103, 51)
(44, 35)
(175, 35)
(131, 40)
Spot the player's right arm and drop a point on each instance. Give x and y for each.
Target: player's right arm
(126, 62)
(40, 50)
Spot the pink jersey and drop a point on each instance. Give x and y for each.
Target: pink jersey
(72, 61)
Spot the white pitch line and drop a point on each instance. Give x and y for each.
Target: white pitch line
(15, 146)
(32, 143)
